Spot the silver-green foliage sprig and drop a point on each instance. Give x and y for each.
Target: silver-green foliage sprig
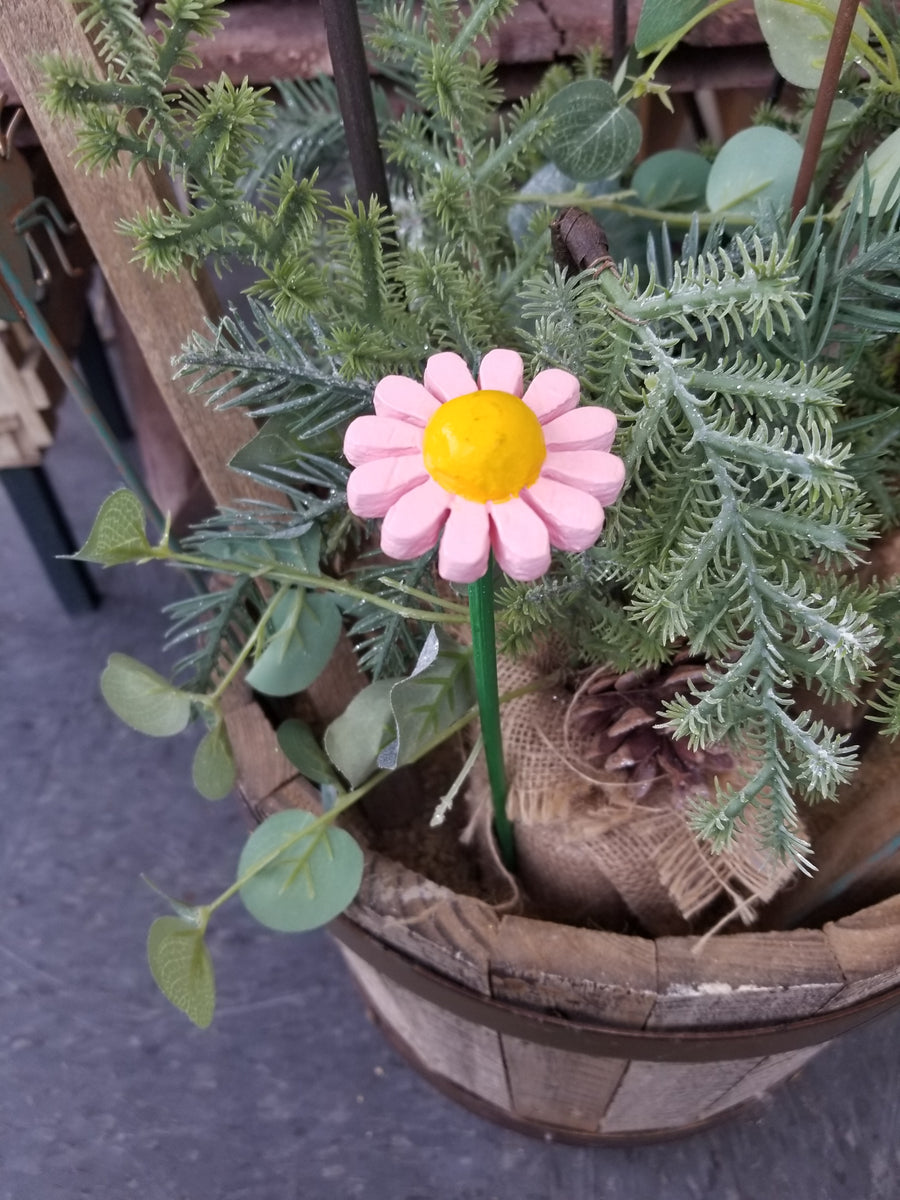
(716, 570)
(741, 511)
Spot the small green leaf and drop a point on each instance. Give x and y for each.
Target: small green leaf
(798, 37)
(298, 743)
(672, 179)
(757, 166)
(308, 626)
(118, 533)
(213, 768)
(440, 690)
(182, 967)
(592, 136)
(311, 878)
(277, 445)
(660, 19)
(882, 167)
(143, 699)
(356, 738)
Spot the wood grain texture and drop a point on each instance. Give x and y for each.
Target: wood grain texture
(867, 947)
(283, 39)
(656, 1096)
(582, 973)
(558, 1087)
(160, 312)
(744, 979)
(762, 1077)
(450, 933)
(466, 1054)
(260, 763)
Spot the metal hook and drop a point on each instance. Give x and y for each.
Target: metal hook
(43, 213)
(6, 135)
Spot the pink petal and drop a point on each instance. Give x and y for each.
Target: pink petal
(502, 371)
(573, 518)
(552, 393)
(520, 539)
(466, 543)
(447, 376)
(593, 471)
(412, 524)
(370, 437)
(375, 486)
(405, 399)
(588, 428)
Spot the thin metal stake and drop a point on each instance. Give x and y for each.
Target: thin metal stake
(31, 315)
(828, 86)
(351, 77)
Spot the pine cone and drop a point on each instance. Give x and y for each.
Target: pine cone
(616, 715)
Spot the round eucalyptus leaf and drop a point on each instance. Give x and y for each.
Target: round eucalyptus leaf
(755, 167)
(660, 19)
(356, 738)
(882, 167)
(672, 179)
(798, 37)
(182, 967)
(592, 136)
(298, 743)
(143, 699)
(309, 880)
(308, 626)
(213, 767)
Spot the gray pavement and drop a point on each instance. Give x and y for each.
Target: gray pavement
(106, 1092)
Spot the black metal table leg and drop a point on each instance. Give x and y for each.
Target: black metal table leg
(38, 508)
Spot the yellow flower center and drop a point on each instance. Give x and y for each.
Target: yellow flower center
(484, 446)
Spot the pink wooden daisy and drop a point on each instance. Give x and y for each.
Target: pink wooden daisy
(490, 466)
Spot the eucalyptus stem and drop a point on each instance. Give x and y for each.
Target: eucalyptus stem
(613, 203)
(246, 649)
(484, 647)
(444, 610)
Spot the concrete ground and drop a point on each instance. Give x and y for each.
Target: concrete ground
(106, 1092)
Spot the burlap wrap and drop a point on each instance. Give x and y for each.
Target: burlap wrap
(588, 852)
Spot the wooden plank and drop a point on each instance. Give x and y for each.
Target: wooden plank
(581, 973)
(762, 1077)
(867, 947)
(659, 1096)
(450, 933)
(468, 1055)
(558, 1087)
(282, 39)
(261, 765)
(167, 466)
(160, 312)
(743, 979)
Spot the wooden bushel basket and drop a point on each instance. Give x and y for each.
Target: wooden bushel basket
(577, 1034)
(586, 1036)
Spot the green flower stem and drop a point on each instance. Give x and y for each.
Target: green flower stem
(447, 610)
(484, 645)
(246, 650)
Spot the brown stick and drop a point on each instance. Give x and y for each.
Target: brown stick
(351, 77)
(831, 77)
